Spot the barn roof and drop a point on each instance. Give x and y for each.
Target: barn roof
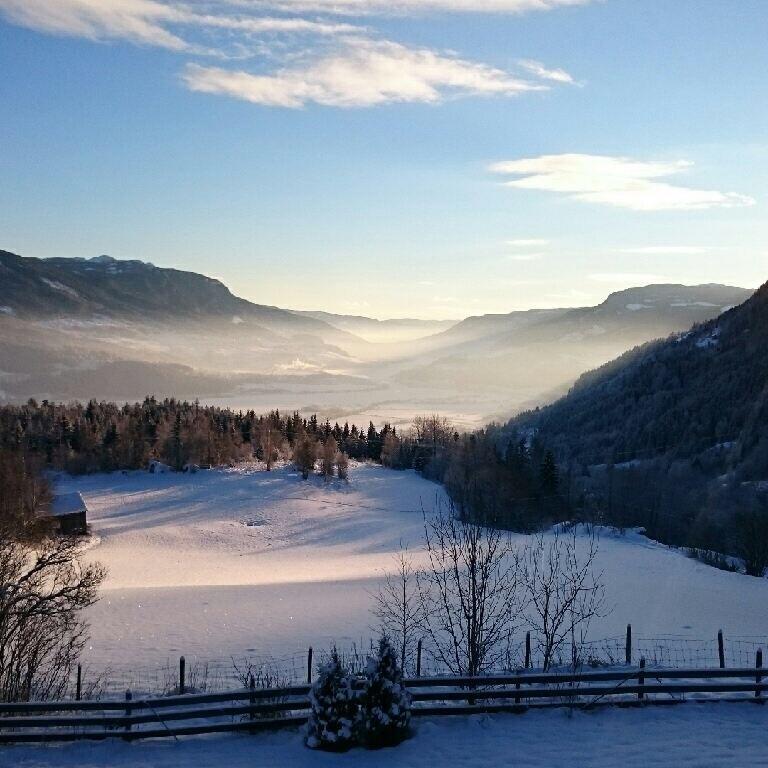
(67, 504)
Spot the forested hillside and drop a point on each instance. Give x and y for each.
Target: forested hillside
(672, 435)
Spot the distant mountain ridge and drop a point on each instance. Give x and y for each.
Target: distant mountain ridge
(686, 395)
(633, 308)
(109, 328)
(128, 289)
(373, 330)
(538, 353)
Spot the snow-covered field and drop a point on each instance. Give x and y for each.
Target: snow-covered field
(242, 561)
(704, 736)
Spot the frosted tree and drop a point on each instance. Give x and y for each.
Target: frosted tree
(333, 709)
(385, 711)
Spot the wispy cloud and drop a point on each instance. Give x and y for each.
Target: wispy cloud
(335, 64)
(532, 242)
(156, 23)
(525, 256)
(524, 249)
(363, 73)
(140, 21)
(399, 7)
(629, 278)
(617, 181)
(538, 69)
(667, 250)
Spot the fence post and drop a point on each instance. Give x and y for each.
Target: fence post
(128, 710)
(628, 646)
(79, 686)
(418, 659)
(252, 697)
(517, 687)
(527, 650)
(182, 675)
(641, 678)
(758, 674)
(720, 648)
(309, 666)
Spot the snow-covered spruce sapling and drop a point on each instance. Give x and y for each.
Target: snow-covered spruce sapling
(334, 708)
(385, 707)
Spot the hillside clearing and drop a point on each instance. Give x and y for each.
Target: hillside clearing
(242, 561)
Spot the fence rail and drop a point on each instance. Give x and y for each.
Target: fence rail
(252, 709)
(205, 675)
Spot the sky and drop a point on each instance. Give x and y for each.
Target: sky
(420, 158)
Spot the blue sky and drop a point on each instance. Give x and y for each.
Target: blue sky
(431, 158)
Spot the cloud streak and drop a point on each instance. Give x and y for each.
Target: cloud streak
(629, 278)
(364, 73)
(325, 61)
(399, 7)
(620, 182)
(667, 250)
(537, 69)
(532, 242)
(154, 23)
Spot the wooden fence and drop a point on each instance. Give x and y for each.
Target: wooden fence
(253, 709)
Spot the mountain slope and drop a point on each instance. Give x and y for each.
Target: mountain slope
(702, 391)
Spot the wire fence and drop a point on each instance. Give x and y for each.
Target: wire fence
(202, 675)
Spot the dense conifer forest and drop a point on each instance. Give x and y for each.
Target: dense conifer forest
(515, 486)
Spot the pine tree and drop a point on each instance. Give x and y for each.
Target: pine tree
(385, 710)
(333, 709)
(548, 475)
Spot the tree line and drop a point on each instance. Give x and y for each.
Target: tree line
(513, 483)
(104, 436)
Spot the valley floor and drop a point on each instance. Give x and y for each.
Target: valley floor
(700, 735)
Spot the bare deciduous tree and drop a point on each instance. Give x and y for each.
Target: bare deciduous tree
(398, 607)
(469, 592)
(433, 430)
(43, 590)
(563, 592)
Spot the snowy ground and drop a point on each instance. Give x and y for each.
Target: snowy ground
(239, 561)
(704, 736)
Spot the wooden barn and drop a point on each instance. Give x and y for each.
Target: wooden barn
(70, 514)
